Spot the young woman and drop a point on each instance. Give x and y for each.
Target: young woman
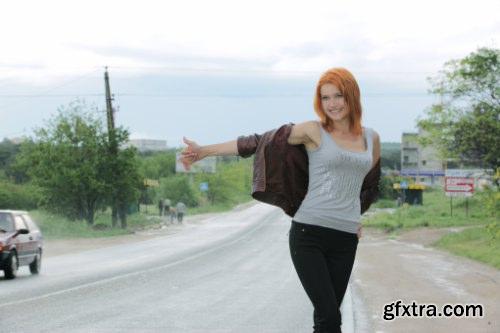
(326, 227)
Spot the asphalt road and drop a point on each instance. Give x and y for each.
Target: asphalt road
(232, 272)
(229, 273)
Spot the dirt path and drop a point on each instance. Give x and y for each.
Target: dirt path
(407, 268)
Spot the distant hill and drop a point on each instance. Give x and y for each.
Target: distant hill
(391, 146)
(391, 155)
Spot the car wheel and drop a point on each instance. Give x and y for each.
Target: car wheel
(12, 266)
(36, 265)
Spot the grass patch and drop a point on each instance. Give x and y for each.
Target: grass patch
(434, 213)
(58, 227)
(475, 243)
(385, 203)
(481, 242)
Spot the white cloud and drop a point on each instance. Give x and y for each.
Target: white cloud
(44, 41)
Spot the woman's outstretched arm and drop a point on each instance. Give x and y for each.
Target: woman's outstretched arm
(194, 152)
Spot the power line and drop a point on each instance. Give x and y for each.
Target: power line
(66, 83)
(267, 71)
(285, 95)
(47, 95)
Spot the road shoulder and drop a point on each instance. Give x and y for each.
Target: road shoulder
(55, 247)
(406, 267)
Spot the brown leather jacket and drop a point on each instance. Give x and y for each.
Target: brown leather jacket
(281, 174)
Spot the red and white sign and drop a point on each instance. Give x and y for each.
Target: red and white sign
(459, 186)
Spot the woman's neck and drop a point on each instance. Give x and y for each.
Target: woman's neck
(341, 127)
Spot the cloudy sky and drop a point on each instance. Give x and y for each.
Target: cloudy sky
(213, 70)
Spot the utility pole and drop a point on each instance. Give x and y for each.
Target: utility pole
(109, 106)
(113, 149)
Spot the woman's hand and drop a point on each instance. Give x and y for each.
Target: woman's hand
(360, 228)
(190, 154)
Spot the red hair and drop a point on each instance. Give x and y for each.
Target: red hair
(346, 83)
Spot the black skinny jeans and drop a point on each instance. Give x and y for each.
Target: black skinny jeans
(323, 259)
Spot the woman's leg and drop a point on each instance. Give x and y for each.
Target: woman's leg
(340, 260)
(312, 269)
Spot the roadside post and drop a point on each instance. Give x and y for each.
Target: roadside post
(149, 183)
(403, 185)
(204, 189)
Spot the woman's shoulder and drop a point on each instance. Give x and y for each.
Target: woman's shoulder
(310, 126)
(306, 132)
(310, 123)
(372, 132)
(313, 125)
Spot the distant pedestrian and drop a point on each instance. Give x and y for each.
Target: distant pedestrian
(161, 205)
(166, 207)
(173, 214)
(181, 210)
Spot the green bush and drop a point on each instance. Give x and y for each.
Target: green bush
(385, 187)
(178, 188)
(230, 185)
(385, 203)
(14, 196)
(490, 197)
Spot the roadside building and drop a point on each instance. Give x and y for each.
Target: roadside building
(144, 145)
(421, 163)
(18, 140)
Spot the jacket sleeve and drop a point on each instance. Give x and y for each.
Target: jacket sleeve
(370, 188)
(247, 145)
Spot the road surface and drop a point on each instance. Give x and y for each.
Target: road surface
(232, 272)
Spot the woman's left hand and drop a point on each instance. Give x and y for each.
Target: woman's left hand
(359, 231)
(190, 154)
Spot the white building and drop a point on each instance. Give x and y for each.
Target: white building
(422, 163)
(17, 141)
(144, 145)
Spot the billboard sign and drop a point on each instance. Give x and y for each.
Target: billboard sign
(459, 186)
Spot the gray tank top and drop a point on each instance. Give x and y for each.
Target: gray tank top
(335, 179)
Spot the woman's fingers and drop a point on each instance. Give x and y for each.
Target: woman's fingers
(188, 142)
(186, 165)
(186, 162)
(360, 231)
(191, 145)
(190, 154)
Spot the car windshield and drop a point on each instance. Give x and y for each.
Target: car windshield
(6, 223)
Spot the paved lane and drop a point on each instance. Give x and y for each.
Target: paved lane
(231, 273)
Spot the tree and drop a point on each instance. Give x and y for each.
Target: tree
(232, 179)
(465, 124)
(391, 155)
(178, 188)
(8, 150)
(477, 136)
(124, 178)
(69, 159)
(158, 165)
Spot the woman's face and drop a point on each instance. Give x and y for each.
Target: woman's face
(333, 103)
